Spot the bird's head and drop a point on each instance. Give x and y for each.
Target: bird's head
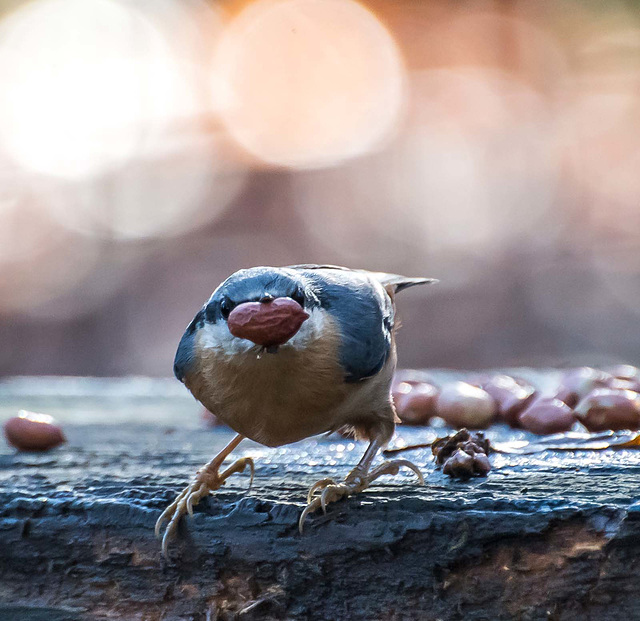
(259, 306)
(254, 310)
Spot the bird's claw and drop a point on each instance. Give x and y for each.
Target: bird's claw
(330, 493)
(205, 482)
(318, 485)
(184, 503)
(356, 481)
(393, 467)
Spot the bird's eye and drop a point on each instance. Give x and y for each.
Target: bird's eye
(225, 308)
(298, 296)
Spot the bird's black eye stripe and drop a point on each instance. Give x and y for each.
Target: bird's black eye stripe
(225, 308)
(298, 296)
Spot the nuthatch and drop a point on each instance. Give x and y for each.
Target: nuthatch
(281, 354)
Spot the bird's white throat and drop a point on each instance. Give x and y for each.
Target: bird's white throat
(217, 336)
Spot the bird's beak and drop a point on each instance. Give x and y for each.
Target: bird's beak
(270, 324)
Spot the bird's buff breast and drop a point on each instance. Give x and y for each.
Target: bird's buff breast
(277, 398)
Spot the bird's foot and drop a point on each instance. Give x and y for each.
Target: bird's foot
(327, 490)
(207, 480)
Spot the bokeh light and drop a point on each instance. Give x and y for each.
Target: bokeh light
(183, 183)
(308, 83)
(150, 148)
(84, 85)
(456, 187)
(103, 101)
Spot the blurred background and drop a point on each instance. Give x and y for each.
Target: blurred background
(150, 148)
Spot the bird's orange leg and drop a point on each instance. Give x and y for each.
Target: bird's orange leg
(327, 490)
(207, 479)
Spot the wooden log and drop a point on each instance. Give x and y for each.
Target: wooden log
(546, 536)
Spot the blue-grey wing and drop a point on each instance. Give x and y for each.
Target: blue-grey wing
(364, 313)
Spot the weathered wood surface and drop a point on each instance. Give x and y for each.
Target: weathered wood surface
(549, 536)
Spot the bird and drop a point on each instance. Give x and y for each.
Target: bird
(281, 354)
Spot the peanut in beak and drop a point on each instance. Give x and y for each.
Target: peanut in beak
(269, 324)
